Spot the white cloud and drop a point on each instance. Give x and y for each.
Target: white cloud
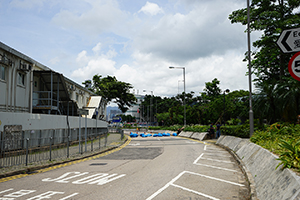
(97, 48)
(184, 37)
(82, 38)
(151, 9)
(96, 64)
(103, 16)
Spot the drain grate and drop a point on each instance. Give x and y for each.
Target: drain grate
(98, 164)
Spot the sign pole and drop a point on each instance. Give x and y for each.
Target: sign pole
(249, 67)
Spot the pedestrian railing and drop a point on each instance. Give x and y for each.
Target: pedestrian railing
(27, 150)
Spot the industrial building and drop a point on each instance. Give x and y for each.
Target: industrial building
(35, 99)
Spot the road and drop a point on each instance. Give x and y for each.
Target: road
(146, 168)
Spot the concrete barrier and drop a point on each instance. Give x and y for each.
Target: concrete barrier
(270, 183)
(199, 136)
(185, 134)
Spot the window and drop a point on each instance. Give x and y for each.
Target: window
(21, 79)
(2, 72)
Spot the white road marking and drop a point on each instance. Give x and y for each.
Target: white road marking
(67, 197)
(217, 179)
(191, 142)
(171, 183)
(136, 144)
(218, 155)
(193, 191)
(99, 178)
(223, 161)
(22, 192)
(6, 190)
(46, 195)
(211, 166)
(165, 187)
(198, 158)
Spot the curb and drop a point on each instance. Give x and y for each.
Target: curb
(245, 171)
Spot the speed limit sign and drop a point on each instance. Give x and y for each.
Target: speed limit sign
(294, 66)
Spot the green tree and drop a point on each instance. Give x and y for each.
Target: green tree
(269, 17)
(113, 90)
(211, 89)
(127, 118)
(269, 64)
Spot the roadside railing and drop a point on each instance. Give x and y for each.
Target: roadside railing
(26, 150)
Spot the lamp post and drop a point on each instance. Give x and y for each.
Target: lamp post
(227, 91)
(249, 66)
(183, 92)
(150, 105)
(178, 84)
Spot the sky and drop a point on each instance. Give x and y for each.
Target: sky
(134, 40)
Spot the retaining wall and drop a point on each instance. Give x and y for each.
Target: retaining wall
(270, 183)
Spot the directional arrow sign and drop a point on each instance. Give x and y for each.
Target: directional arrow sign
(289, 40)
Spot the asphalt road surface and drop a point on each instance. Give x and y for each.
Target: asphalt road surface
(146, 168)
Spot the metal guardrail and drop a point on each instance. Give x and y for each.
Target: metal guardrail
(15, 151)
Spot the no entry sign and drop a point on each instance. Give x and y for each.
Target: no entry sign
(294, 66)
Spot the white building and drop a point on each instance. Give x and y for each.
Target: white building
(134, 109)
(37, 98)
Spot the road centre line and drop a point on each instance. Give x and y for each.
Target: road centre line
(193, 191)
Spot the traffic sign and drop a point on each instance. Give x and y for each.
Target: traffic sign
(117, 119)
(294, 66)
(289, 40)
(83, 112)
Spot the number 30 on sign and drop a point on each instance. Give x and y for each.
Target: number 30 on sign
(294, 66)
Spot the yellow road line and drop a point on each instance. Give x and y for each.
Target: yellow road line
(68, 163)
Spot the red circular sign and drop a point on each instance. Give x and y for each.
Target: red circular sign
(294, 66)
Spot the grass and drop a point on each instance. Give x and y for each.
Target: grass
(282, 139)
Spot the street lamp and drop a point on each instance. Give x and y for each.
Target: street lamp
(178, 84)
(171, 67)
(150, 105)
(227, 91)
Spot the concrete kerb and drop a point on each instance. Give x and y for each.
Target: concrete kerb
(266, 182)
(251, 183)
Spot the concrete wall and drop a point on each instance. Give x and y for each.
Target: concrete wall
(40, 127)
(270, 183)
(42, 121)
